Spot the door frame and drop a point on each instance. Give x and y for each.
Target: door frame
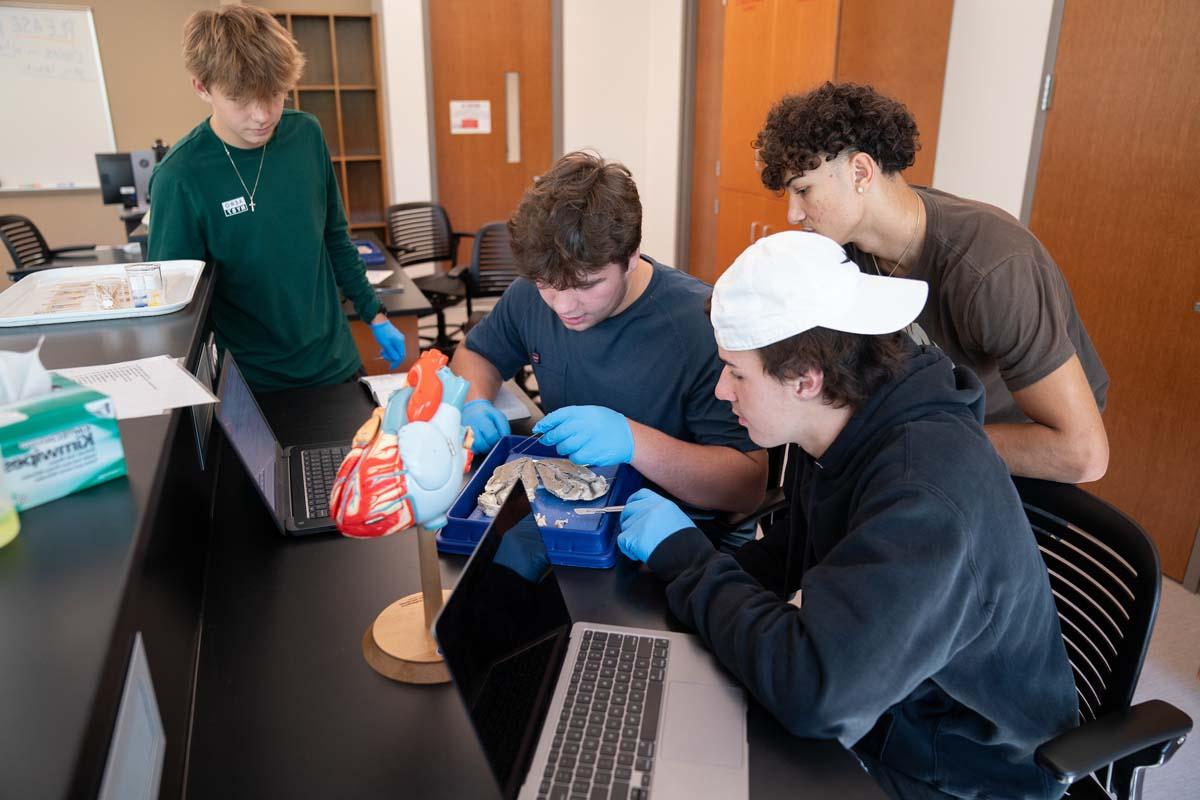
(1045, 99)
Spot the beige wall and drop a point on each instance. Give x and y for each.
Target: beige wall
(150, 98)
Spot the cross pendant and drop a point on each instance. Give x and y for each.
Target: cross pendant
(251, 205)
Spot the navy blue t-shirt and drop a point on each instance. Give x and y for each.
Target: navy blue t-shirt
(655, 362)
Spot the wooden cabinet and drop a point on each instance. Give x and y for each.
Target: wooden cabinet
(341, 87)
(770, 48)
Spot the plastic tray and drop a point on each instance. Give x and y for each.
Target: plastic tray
(585, 541)
(24, 302)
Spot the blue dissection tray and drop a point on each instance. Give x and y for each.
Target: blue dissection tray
(370, 253)
(585, 541)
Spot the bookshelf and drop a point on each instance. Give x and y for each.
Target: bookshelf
(342, 89)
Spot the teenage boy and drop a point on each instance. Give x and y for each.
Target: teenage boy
(603, 325)
(924, 635)
(252, 191)
(999, 303)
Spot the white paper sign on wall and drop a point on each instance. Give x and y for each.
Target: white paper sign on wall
(470, 116)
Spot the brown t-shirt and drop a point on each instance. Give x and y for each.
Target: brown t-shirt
(997, 301)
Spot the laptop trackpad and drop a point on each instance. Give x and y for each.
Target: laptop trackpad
(704, 724)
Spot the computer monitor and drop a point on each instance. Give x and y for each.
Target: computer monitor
(125, 177)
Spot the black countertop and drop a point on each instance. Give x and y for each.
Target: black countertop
(286, 706)
(64, 579)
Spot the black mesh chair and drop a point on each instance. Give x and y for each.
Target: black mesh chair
(1104, 573)
(420, 233)
(28, 247)
(492, 266)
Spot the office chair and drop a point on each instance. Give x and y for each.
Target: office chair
(28, 247)
(1104, 574)
(420, 233)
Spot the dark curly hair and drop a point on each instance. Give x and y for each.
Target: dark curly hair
(802, 129)
(580, 216)
(854, 366)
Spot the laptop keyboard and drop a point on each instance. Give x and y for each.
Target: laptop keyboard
(319, 467)
(604, 739)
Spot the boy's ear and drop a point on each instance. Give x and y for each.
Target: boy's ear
(200, 90)
(809, 385)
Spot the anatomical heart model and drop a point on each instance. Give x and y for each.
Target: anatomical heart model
(407, 460)
(404, 470)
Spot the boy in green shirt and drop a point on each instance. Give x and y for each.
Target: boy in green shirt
(252, 190)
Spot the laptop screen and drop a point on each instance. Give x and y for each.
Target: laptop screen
(248, 431)
(503, 633)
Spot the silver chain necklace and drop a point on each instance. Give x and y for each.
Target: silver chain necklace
(247, 189)
(911, 238)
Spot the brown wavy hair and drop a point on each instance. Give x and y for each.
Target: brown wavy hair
(803, 129)
(855, 366)
(241, 50)
(580, 216)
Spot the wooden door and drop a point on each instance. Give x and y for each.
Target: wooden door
(473, 44)
(1116, 205)
(901, 55)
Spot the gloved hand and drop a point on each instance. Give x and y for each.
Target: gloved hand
(488, 422)
(647, 520)
(390, 340)
(588, 435)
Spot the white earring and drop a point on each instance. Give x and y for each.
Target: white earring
(860, 190)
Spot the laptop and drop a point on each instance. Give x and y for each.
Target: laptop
(568, 709)
(295, 483)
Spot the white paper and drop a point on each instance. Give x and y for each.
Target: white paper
(470, 116)
(143, 387)
(378, 276)
(384, 386)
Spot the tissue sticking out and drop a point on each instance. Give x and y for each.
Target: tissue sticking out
(558, 476)
(22, 375)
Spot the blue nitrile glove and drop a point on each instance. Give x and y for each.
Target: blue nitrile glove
(488, 422)
(649, 518)
(390, 340)
(588, 435)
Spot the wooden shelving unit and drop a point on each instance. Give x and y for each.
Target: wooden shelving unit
(341, 88)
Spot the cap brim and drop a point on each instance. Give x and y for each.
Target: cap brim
(881, 305)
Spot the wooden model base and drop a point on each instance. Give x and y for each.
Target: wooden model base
(398, 644)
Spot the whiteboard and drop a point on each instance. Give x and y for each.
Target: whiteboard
(56, 115)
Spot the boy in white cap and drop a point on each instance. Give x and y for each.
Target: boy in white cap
(927, 639)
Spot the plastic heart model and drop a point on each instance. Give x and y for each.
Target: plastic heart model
(407, 461)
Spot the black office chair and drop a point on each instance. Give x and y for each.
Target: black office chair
(28, 247)
(1104, 573)
(420, 233)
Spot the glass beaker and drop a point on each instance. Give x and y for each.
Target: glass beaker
(145, 284)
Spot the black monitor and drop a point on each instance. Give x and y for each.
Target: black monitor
(117, 185)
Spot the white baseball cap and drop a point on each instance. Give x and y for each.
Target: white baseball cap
(789, 282)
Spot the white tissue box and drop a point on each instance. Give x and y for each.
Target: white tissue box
(59, 443)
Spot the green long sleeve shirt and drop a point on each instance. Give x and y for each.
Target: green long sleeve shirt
(278, 265)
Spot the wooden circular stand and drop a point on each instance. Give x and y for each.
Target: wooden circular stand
(399, 644)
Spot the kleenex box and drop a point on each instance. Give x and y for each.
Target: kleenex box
(59, 443)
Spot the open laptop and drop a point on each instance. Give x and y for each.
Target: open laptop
(568, 710)
(295, 483)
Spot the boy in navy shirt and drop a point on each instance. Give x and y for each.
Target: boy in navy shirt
(624, 355)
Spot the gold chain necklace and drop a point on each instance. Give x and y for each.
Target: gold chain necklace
(911, 238)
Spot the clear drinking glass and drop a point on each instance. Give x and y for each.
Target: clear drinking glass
(145, 284)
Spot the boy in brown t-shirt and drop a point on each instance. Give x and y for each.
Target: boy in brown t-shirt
(997, 301)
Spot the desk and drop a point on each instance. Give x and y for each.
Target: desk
(287, 707)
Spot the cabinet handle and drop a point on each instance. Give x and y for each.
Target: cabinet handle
(512, 116)
(753, 232)
(766, 230)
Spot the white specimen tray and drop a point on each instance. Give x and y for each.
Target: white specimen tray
(26, 301)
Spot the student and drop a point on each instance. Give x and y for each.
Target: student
(252, 191)
(621, 346)
(924, 636)
(1000, 305)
